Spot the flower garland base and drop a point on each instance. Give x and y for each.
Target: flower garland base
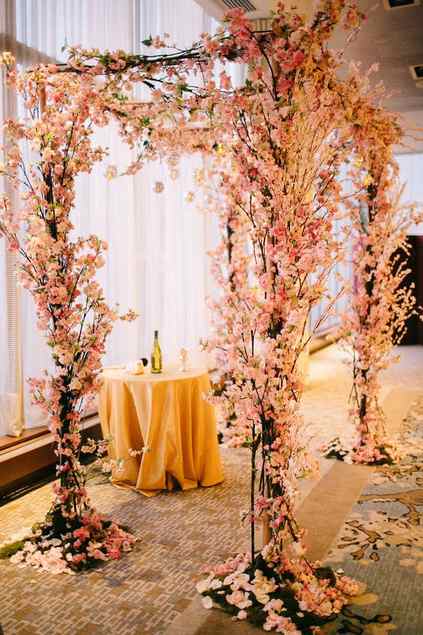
(279, 602)
(364, 453)
(69, 545)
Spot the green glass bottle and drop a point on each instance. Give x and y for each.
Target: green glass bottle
(156, 355)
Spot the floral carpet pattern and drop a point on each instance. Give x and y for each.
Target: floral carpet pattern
(381, 543)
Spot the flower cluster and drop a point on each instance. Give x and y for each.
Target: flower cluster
(296, 604)
(85, 542)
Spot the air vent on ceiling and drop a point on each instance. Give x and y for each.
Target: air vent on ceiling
(253, 8)
(390, 5)
(239, 4)
(219, 8)
(416, 71)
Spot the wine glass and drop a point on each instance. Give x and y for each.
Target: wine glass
(183, 356)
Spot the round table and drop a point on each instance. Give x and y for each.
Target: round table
(166, 420)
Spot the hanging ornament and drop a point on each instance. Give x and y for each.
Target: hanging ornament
(158, 187)
(111, 172)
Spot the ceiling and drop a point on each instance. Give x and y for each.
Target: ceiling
(393, 39)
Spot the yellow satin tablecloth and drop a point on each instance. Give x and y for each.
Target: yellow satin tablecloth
(166, 416)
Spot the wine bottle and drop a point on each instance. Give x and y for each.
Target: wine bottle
(156, 355)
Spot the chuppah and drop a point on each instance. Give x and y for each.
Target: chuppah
(275, 148)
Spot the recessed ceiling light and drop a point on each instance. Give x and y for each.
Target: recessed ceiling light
(399, 4)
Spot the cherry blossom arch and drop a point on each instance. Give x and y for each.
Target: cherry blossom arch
(275, 147)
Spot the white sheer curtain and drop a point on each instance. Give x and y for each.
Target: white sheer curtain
(11, 414)
(157, 261)
(11, 407)
(46, 26)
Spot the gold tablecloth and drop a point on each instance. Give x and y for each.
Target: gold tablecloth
(166, 416)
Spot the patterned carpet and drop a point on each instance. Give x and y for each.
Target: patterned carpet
(381, 543)
(180, 532)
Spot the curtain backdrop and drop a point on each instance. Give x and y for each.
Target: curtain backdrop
(157, 262)
(11, 393)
